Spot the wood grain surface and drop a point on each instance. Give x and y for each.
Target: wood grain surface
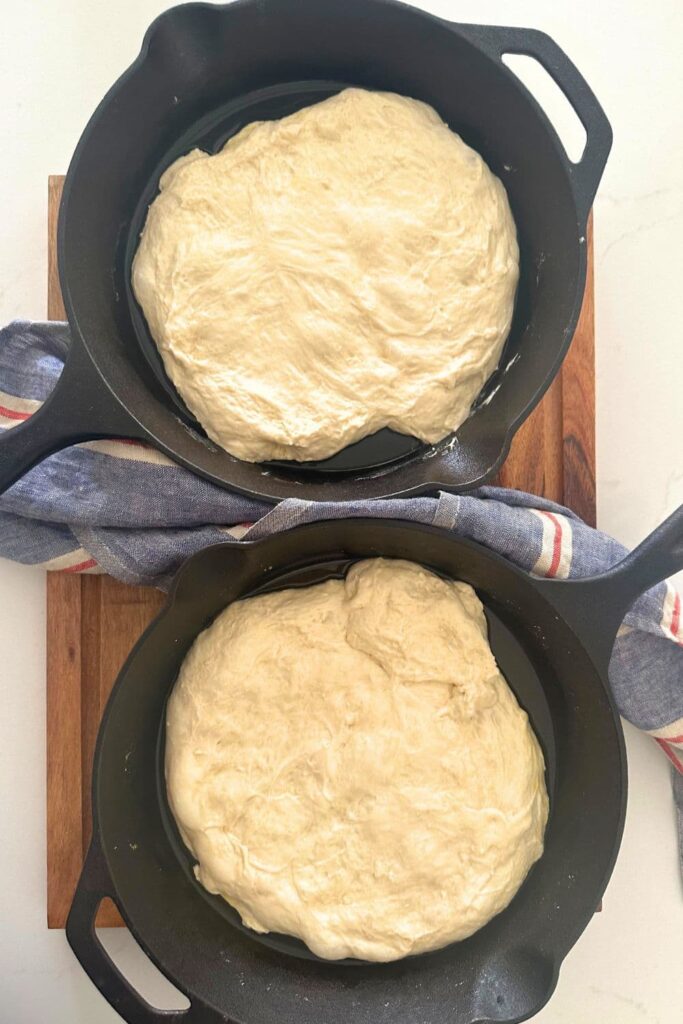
(93, 621)
(553, 452)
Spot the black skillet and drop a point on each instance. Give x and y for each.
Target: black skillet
(552, 640)
(204, 71)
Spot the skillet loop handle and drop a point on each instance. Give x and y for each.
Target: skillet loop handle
(93, 885)
(585, 175)
(81, 407)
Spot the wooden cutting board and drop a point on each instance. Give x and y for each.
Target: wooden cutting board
(93, 621)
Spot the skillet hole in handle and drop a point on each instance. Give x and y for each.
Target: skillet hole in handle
(585, 174)
(93, 887)
(557, 108)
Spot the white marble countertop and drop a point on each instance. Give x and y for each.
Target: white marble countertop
(57, 61)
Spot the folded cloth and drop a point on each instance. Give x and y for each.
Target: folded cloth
(123, 508)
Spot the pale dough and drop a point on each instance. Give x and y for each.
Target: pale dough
(348, 765)
(349, 267)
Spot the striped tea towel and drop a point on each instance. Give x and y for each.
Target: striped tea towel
(123, 508)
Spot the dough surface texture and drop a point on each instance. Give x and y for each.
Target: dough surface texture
(349, 267)
(348, 765)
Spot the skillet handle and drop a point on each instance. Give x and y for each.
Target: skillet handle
(660, 555)
(596, 605)
(585, 175)
(93, 885)
(80, 407)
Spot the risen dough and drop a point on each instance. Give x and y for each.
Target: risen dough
(348, 765)
(350, 267)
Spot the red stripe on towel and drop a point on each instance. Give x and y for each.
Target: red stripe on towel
(81, 566)
(557, 545)
(670, 753)
(12, 414)
(676, 618)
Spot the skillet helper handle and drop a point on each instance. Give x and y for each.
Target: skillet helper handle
(93, 886)
(80, 407)
(585, 174)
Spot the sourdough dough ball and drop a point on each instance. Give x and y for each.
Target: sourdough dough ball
(348, 765)
(350, 267)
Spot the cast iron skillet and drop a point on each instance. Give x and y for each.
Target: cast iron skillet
(204, 72)
(552, 640)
